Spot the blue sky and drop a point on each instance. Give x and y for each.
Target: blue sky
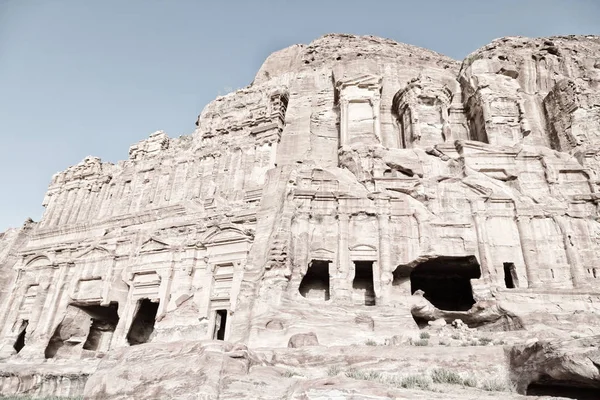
(81, 78)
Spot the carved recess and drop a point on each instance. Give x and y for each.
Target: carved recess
(359, 100)
(422, 109)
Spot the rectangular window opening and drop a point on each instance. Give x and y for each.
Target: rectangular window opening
(143, 323)
(511, 280)
(363, 280)
(220, 324)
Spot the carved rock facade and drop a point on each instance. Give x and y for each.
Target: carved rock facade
(358, 186)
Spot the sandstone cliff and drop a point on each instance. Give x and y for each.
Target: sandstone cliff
(359, 192)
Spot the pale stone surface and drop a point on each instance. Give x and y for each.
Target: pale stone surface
(358, 189)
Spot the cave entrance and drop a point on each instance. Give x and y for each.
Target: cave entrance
(363, 281)
(99, 321)
(562, 389)
(446, 281)
(220, 324)
(20, 342)
(511, 280)
(104, 321)
(315, 284)
(143, 323)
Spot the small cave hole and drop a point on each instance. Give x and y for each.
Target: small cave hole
(363, 280)
(20, 342)
(446, 281)
(143, 323)
(511, 280)
(96, 321)
(569, 390)
(315, 284)
(220, 324)
(104, 321)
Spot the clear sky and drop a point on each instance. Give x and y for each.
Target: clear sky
(92, 77)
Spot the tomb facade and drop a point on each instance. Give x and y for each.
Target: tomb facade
(354, 178)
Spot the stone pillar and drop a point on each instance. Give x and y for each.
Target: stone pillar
(576, 267)
(479, 218)
(343, 122)
(383, 279)
(67, 206)
(107, 283)
(343, 258)
(528, 247)
(303, 245)
(56, 295)
(376, 105)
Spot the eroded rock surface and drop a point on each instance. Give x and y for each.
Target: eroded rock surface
(358, 189)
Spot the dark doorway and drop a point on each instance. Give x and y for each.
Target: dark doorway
(363, 280)
(143, 323)
(562, 389)
(220, 324)
(315, 284)
(103, 325)
(446, 281)
(101, 320)
(20, 342)
(511, 279)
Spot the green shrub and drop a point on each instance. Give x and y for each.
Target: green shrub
(442, 375)
(485, 341)
(371, 342)
(455, 336)
(333, 370)
(353, 373)
(496, 385)
(424, 335)
(420, 342)
(416, 381)
(470, 381)
(289, 373)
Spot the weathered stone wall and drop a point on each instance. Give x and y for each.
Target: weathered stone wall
(352, 172)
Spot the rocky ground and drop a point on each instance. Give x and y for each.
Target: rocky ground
(440, 362)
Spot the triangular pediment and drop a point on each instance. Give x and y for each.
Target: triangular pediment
(153, 245)
(94, 252)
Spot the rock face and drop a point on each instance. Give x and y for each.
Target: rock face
(356, 190)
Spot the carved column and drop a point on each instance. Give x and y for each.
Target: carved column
(384, 276)
(303, 243)
(528, 247)
(576, 267)
(56, 295)
(376, 105)
(479, 218)
(67, 206)
(343, 260)
(108, 282)
(343, 121)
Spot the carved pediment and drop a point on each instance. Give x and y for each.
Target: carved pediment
(39, 261)
(363, 81)
(94, 252)
(153, 245)
(322, 254)
(226, 235)
(363, 247)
